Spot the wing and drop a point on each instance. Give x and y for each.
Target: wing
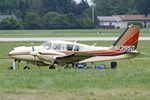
(50, 57)
(74, 57)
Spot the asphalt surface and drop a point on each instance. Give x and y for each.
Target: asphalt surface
(68, 38)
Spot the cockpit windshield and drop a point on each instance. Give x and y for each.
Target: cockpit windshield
(60, 46)
(47, 45)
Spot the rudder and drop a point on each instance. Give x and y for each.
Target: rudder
(128, 40)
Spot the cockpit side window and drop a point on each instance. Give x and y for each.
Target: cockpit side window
(47, 45)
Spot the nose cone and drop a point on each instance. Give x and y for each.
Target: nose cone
(11, 53)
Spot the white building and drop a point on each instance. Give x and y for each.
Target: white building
(121, 21)
(6, 16)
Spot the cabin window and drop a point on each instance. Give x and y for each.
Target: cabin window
(76, 48)
(57, 46)
(69, 47)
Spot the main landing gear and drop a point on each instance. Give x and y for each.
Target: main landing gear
(52, 66)
(13, 66)
(26, 66)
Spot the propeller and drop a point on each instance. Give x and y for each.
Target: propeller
(94, 44)
(144, 54)
(33, 53)
(33, 47)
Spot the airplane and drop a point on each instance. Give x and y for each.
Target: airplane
(65, 52)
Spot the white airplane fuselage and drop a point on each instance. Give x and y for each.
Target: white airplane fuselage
(59, 52)
(26, 54)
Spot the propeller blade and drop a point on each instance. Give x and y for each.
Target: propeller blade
(144, 54)
(33, 47)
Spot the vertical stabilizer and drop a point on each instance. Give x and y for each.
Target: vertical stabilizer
(128, 39)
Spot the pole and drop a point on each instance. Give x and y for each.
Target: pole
(93, 10)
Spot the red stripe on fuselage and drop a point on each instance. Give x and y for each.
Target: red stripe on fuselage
(132, 40)
(99, 53)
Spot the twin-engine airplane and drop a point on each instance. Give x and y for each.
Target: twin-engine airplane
(63, 52)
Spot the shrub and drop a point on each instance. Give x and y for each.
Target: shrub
(135, 23)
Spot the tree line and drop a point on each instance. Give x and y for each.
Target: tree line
(64, 14)
(45, 14)
(119, 7)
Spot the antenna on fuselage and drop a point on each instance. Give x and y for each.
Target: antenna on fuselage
(94, 44)
(74, 45)
(75, 41)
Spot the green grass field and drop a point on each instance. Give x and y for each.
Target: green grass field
(67, 33)
(131, 81)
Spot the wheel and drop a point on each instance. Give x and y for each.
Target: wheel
(26, 67)
(51, 67)
(67, 66)
(113, 65)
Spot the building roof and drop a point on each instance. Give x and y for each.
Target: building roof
(124, 18)
(5, 16)
(133, 17)
(109, 18)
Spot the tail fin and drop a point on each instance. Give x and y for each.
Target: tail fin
(128, 40)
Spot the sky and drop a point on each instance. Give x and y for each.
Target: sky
(80, 0)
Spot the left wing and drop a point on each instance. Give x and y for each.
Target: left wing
(49, 57)
(74, 57)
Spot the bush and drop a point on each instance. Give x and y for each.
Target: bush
(135, 23)
(9, 23)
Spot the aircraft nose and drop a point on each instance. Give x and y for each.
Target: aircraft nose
(11, 53)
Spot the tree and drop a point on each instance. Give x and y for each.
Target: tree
(81, 7)
(8, 6)
(9, 23)
(57, 13)
(73, 21)
(32, 20)
(115, 7)
(86, 21)
(60, 6)
(143, 6)
(23, 8)
(54, 20)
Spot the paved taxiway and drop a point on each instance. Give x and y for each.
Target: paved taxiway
(68, 38)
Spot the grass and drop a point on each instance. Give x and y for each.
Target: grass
(131, 81)
(67, 33)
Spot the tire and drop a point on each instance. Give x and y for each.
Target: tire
(52, 67)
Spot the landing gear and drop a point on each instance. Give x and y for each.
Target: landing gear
(26, 67)
(67, 66)
(70, 66)
(18, 63)
(52, 66)
(113, 65)
(13, 66)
